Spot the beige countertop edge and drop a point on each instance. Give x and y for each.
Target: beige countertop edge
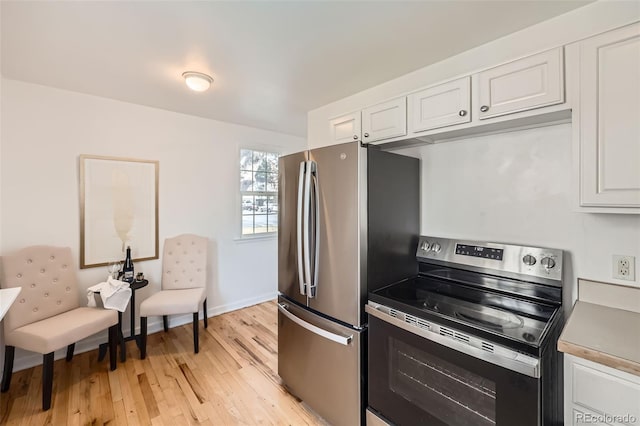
(600, 357)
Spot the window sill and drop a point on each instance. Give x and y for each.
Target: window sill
(256, 238)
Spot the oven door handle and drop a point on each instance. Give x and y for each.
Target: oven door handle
(343, 340)
(518, 362)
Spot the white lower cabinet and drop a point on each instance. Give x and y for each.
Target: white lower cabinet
(609, 120)
(584, 416)
(597, 394)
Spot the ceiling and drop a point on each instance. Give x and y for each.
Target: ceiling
(271, 61)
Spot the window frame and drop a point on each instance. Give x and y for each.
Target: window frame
(242, 193)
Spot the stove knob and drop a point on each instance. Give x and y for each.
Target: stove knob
(425, 246)
(547, 262)
(529, 260)
(435, 247)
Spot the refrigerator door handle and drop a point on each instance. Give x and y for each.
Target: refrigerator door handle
(282, 307)
(313, 289)
(301, 281)
(305, 225)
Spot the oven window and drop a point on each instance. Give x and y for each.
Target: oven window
(446, 391)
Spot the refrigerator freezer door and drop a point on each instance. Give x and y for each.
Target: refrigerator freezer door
(289, 238)
(341, 182)
(319, 361)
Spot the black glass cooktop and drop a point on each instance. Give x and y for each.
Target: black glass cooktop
(516, 319)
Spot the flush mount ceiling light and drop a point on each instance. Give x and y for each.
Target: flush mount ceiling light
(197, 81)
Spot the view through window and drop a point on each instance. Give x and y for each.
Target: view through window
(259, 191)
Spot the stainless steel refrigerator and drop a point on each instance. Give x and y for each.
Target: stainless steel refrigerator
(348, 223)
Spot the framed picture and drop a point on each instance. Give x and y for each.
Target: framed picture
(118, 208)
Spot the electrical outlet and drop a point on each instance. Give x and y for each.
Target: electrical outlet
(624, 267)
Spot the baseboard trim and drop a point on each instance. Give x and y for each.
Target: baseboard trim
(24, 360)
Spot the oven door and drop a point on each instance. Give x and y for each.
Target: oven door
(414, 380)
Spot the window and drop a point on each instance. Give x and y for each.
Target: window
(259, 191)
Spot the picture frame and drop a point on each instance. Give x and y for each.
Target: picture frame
(118, 208)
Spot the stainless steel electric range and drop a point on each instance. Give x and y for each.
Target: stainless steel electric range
(469, 341)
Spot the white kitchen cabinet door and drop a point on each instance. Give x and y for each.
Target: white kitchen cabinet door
(610, 119)
(345, 128)
(527, 83)
(440, 106)
(595, 388)
(385, 120)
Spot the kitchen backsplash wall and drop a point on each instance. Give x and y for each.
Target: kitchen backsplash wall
(516, 187)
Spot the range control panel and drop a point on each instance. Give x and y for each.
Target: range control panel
(479, 251)
(529, 261)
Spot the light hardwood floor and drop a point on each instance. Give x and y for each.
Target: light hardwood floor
(232, 381)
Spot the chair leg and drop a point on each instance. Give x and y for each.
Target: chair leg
(113, 346)
(70, 350)
(9, 353)
(205, 313)
(196, 343)
(123, 346)
(47, 380)
(143, 337)
(165, 322)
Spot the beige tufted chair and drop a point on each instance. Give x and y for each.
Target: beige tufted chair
(47, 315)
(184, 285)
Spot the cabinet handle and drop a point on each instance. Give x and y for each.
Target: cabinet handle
(355, 137)
(484, 108)
(366, 135)
(462, 113)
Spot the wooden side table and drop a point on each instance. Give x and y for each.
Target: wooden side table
(102, 349)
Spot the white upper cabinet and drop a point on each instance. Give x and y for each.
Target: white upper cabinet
(609, 119)
(531, 82)
(440, 106)
(385, 120)
(345, 128)
(519, 94)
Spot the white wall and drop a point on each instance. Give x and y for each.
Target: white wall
(44, 130)
(517, 188)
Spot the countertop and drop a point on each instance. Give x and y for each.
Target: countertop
(7, 296)
(603, 334)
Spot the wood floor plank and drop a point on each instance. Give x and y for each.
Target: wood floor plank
(108, 415)
(147, 395)
(73, 407)
(33, 397)
(157, 367)
(232, 381)
(60, 397)
(91, 409)
(271, 396)
(120, 413)
(114, 385)
(137, 401)
(165, 417)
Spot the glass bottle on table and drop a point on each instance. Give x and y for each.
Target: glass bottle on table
(127, 268)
